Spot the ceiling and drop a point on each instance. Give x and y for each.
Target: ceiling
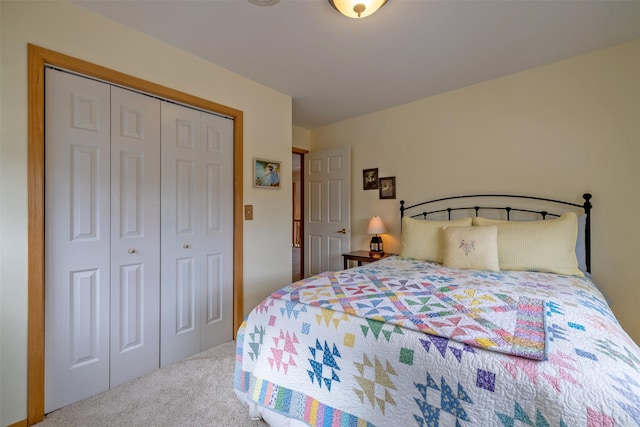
(336, 68)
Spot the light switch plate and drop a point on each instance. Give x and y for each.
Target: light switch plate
(248, 212)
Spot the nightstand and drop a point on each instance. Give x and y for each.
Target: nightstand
(360, 256)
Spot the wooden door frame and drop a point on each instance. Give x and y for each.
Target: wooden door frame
(38, 57)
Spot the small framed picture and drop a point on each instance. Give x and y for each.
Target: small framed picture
(387, 187)
(266, 173)
(370, 179)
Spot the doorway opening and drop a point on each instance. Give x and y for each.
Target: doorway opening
(297, 223)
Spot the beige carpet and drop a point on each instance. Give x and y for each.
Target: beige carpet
(197, 391)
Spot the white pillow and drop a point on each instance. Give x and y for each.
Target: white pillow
(422, 239)
(547, 246)
(471, 248)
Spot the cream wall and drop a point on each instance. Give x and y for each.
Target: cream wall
(557, 131)
(68, 29)
(301, 138)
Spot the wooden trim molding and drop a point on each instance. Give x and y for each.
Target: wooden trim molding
(21, 423)
(35, 238)
(38, 57)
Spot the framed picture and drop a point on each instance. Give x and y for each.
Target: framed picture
(266, 173)
(387, 187)
(370, 179)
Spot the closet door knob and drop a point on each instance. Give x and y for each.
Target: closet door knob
(132, 251)
(186, 246)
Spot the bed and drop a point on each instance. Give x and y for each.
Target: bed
(487, 317)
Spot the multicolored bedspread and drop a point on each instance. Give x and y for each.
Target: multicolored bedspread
(483, 309)
(402, 342)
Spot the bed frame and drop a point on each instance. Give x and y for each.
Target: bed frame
(433, 207)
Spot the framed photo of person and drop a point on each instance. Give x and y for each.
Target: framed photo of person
(370, 179)
(387, 187)
(266, 173)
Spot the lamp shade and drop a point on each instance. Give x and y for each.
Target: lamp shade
(376, 226)
(357, 8)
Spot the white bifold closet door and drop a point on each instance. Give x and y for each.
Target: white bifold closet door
(138, 235)
(197, 231)
(102, 240)
(135, 235)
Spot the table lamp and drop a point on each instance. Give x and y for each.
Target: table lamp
(376, 226)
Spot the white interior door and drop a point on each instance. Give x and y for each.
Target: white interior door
(77, 238)
(135, 235)
(216, 238)
(197, 231)
(328, 210)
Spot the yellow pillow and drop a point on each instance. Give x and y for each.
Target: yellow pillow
(547, 246)
(422, 239)
(471, 248)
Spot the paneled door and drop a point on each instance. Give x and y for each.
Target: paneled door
(135, 235)
(197, 231)
(77, 238)
(102, 237)
(327, 210)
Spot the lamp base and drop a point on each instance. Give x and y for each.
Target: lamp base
(376, 254)
(375, 246)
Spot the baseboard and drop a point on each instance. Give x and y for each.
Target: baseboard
(21, 423)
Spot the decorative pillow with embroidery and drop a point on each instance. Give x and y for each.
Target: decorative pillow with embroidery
(546, 246)
(471, 248)
(422, 239)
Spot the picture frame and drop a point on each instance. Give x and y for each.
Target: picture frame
(387, 187)
(370, 179)
(266, 173)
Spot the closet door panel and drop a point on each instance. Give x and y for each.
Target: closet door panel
(77, 234)
(135, 235)
(185, 295)
(180, 254)
(197, 231)
(185, 204)
(216, 293)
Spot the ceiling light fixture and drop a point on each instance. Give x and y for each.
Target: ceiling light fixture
(357, 8)
(264, 2)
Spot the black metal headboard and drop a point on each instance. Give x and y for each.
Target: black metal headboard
(554, 204)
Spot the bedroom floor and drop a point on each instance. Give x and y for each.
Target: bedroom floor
(194, 392)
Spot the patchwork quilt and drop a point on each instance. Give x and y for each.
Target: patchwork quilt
(402, 342)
